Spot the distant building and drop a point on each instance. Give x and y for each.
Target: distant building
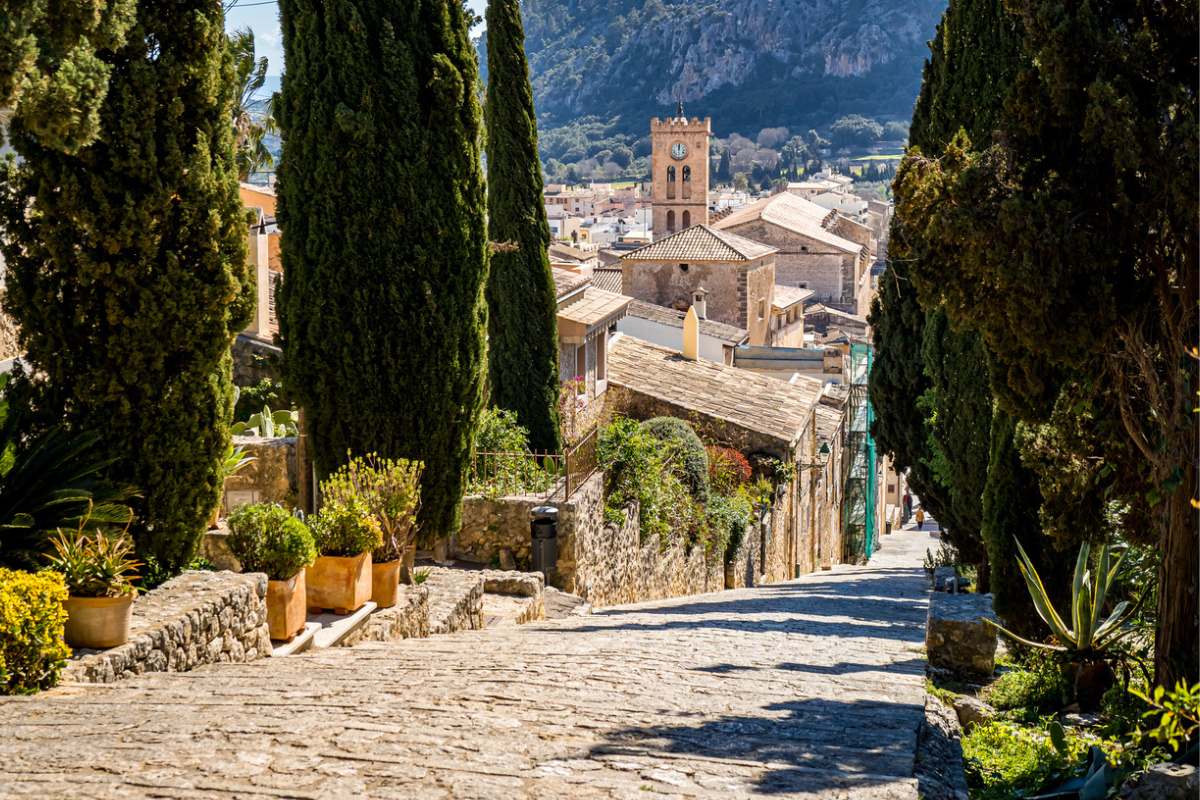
(737, 273)
(664, 326)
(810, 254)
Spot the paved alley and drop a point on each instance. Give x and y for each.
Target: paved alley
(811, 688)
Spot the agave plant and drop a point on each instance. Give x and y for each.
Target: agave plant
(1091, 636)
(1090, 633)
(269, 424)
(235, 461)
(99, 565)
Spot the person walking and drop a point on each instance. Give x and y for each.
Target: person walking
(907, 506)
(920, 518)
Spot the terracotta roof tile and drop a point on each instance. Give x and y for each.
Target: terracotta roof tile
(701, 243)
(746, 399)
(794, 214)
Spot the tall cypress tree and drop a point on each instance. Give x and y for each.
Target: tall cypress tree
(127, 269)
(381, 202)
(522, 306)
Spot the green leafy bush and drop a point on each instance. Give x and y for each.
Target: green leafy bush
(1042, 689)
(728, 469)
(501, 462)
(265, 537)
(1004, 760)
(638, 469)
(100, 565)
(249, 399)
(390, 490)
(32, 652)
(684, 449)
(346, 528)
(726, 519)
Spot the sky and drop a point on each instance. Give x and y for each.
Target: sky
(262, 17)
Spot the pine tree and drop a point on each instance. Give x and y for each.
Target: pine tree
(522, 304)
(127, 270)
(381, 202)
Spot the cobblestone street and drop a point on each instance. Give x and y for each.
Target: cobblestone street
(812, 688)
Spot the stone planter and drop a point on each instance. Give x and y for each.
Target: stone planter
(97, 623)
(287, 607)
(385, 583)
(340, 583)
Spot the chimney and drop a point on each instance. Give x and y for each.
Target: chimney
(691, 335)
(699, 303)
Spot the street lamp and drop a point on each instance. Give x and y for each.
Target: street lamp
(822, 459)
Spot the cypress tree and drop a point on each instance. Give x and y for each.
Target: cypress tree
(960, 406)
(522, 305)
(1088, 197)
(127, 270)
(381, 202)
(53, 73)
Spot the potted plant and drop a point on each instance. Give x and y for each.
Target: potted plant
(98, 571)
(265, 537)
(340, 578)
(234, 462)
(390, 489)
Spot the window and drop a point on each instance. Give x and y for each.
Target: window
(687, 215)
(687, 185)
(683, 267)
(762, 308)
(670, 221)
(670, 183)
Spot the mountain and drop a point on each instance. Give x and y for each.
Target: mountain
(749, 64)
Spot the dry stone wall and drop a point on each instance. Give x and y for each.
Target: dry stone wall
(193, 619)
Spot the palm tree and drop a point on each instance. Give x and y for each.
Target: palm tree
(249, 127)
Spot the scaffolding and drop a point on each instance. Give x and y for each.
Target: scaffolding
(861, 467)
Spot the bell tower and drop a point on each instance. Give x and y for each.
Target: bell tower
(679, 172)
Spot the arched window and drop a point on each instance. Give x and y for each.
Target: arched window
(687, 216)
(687, 185)
(670, 183)
(671, 220)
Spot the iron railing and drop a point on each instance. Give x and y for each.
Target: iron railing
(551, 476)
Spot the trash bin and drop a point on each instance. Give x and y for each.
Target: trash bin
(543, 530)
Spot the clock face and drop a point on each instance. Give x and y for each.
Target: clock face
(679, 151)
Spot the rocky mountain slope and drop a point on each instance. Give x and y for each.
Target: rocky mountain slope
(747, 63)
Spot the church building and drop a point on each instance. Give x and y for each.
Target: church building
(679, 172)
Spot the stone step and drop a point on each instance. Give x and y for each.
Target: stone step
(336, 627)
(303, 641)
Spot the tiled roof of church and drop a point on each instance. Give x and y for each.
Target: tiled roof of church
(701, 243)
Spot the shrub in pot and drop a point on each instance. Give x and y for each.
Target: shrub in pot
(98, 570)
(340, 578)
(265, 537)
(390, 490)
(32, 653)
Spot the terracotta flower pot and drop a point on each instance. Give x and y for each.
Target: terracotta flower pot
(341, 583)
(98, 622)
(287, 607)
(385, 583)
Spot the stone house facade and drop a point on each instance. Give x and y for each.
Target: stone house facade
(737, 275)
(809, 253)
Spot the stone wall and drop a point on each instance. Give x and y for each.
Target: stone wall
(408, 619)
(495, 531)
(193, 619)
(272, 477)
(602, 563)
(254, 359)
